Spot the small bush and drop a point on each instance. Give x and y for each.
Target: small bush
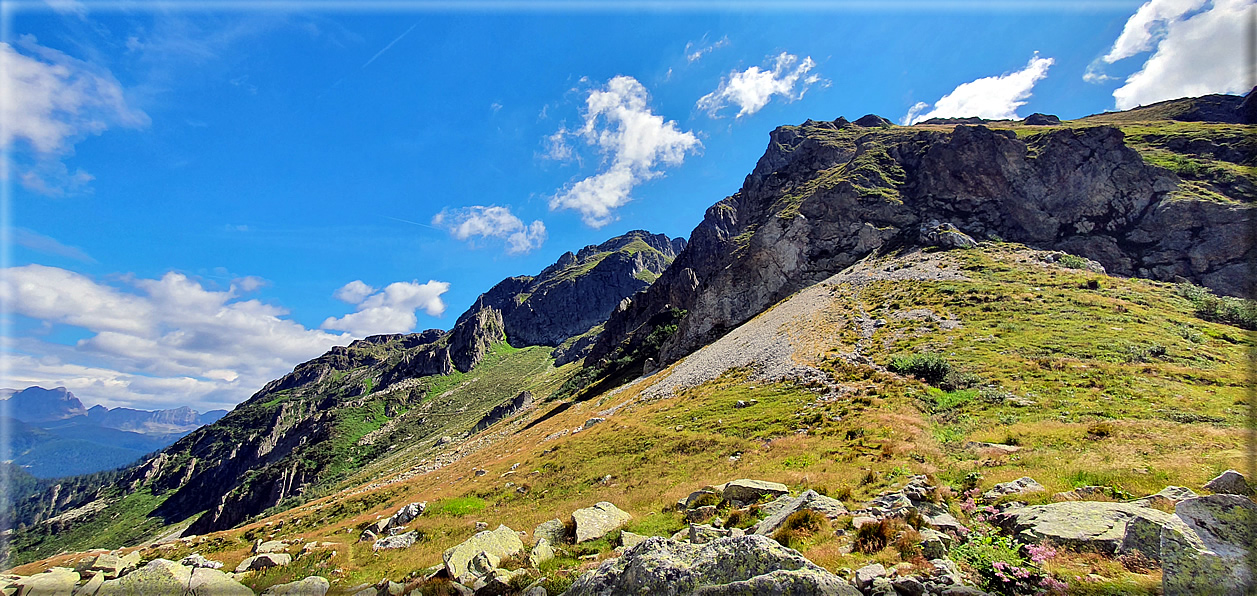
(1072, 262)
(999, 564)
(1221, 309)
(1099, 430)
(871, 538)
(927, 366)
(799, 525)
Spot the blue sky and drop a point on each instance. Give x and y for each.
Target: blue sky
(199, 199)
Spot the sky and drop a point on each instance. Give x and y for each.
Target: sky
(198, 196)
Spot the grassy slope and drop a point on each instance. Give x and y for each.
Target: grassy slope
(1132, 391)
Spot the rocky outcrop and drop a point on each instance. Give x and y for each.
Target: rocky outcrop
(810, 501)
(1020, 486)
(747, 491)
(1229, 482)
(1093, 525)
(490, 545)
(161, 576)
(503, 411)
(823, 197)
(727, 566)
(264, 561)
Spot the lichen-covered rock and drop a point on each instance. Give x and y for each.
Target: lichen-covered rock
(1020, 486)
(595, 522)
(1169, 495)
(735, 566)
(1094, 525)
(1205, 549)
(629, 539)
(310, 586)
(160, 577)
(934, 544)
(405, 540)
(864, 576)
(553, 531)
(500, 543)
(197, 560)
(746, 491)
(91, 587)
(541, 552)
(697, 496)
(1229, 482)
(58, 581)
(702, 533)
(114, 565)
(809, 500)
(270, 546)
(264, 561)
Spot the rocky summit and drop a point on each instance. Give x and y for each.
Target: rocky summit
(961, 357)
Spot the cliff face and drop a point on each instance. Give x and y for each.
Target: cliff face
(826, 194)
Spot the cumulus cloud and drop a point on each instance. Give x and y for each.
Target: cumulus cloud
(391, 310)
(492, 222)
(49, 101)
(171, 341)
(1195, 48)
(751, 89)
(695, 50)
(996, 98)
(631, 140)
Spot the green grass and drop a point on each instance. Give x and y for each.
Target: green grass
(458, 506)
(128, 522)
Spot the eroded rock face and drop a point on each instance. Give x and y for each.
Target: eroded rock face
(795, 222)
(743, 565)
(1205, 550)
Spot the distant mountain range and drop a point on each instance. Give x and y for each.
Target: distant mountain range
(52, 434)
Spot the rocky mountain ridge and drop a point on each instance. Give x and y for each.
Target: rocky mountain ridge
(826, 194)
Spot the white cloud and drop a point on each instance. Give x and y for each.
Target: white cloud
(171, 341)
(353, 292)
(48, 102)
(391, 310)
(151, 336)
(492, 222)
(752, 88)
(995, 98)
(631, 140)
(695, 50)
(1197, 52)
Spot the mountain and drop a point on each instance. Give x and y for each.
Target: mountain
(51, 435)
(36, 404)
(906, 321)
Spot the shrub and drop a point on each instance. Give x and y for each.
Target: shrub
(1002, 569)
(1099, 430)
(927, 366)
(1221, 309)
(799, 525)
(873, 537)
(955, 380)
(1069, 261)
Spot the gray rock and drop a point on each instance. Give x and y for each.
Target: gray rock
(536, 591)
(1095, 525)
(1206, 550)
(595, 522)
(771, 508)
(864, 576)
(1020, 486)
(58, 581)
(264, 561)
(747, 491)
(700, 514)
(695, 496)
(945, 522)
(1169, 495)
(92, 586)
(501, 543)
(196, 560)
(629, 539)
(115, 565)
(1083, 493)
(702, 534)
(162, 577)
(1229, 482)
(553, 531)
(934, 544)
(809, 500)
(405, 540)
(908, 586)
(944, 235)
(959, 590)
(541, 553)
(270, 546)
(736, 566)
(310, 586)
(945, 572)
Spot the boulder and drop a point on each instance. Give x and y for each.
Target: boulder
(1037, 119)
(264, 561)
(700, 514)
(310, 586)
(809, 500)
(772, 507)
(1094, 525)
(1020, 486)
(595, 522)
(162, 577)
(114, 565)
(1083, 493)
(553, 531)
(497, 582)
(908, 586)
(405, 540)
(1169, 495)
(747, 491)
(742, 566)
(945, 235)
(196, 560)
(92, 586)
(934, 544)
(1229, 482)
(864, 576)
(270, 546)
(58, 581)
(629, 539)
(500, 543)
(696, 496)
(1206, 549)
(541, 553)
(702, 534)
